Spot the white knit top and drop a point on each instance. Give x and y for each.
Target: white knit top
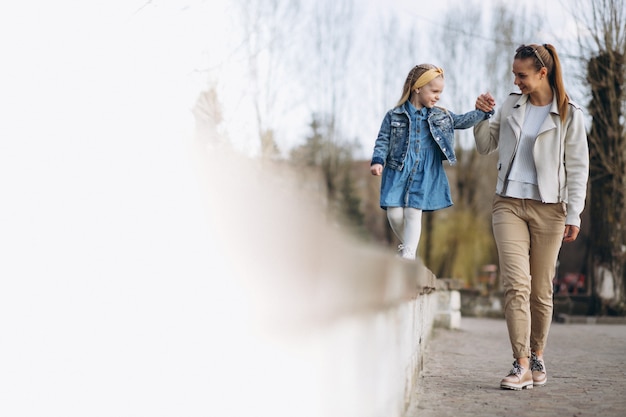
(523, 175)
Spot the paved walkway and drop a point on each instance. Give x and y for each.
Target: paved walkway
(586, 366)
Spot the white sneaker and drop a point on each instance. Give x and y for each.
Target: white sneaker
(408, 253)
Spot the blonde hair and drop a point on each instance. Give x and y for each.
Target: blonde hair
(545, 56)
(411, 81)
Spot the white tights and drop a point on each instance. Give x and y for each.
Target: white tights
(406, 223)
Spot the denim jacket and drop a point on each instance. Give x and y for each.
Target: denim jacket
(392, 143)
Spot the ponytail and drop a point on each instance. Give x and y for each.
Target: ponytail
(555, 77)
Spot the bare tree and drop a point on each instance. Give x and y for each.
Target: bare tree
(327, 50)
(393, 49)
(335, 164)
(603, 40)
(270, 27)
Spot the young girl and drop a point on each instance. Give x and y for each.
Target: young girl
(414, 138)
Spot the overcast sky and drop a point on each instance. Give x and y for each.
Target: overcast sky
(68, 63)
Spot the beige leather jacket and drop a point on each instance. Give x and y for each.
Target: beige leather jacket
(561, 152)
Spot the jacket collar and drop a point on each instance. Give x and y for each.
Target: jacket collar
(519, 111)
(554, 108)
(404, 108)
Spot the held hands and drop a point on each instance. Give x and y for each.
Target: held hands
(485, 102)
(571, 233)
(376, 169)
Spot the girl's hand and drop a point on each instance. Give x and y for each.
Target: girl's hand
(376, 169)
(485, 102)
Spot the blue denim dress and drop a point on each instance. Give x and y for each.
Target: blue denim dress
(422, 183)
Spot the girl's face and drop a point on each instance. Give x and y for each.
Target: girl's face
(527, 78)
(428, 95)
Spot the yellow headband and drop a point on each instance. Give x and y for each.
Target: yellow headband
(427, 77)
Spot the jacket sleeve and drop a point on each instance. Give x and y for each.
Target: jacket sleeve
(381, 146)
(469, 119)
(576, 166)
(486, 134)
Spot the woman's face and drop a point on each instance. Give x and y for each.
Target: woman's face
(428, 95)
(527, 78)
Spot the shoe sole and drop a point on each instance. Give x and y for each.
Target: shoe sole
(540, 384)
(516, 387)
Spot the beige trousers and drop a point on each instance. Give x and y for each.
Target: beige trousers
(528, 235)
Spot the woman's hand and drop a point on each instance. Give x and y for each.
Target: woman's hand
(376, 169)
(571, 233)
(485, 102)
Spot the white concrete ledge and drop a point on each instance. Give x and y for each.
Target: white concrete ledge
(448, 309)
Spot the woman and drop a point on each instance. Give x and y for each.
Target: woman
(543, 168)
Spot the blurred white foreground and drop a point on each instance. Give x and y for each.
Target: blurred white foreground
(174, 280)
